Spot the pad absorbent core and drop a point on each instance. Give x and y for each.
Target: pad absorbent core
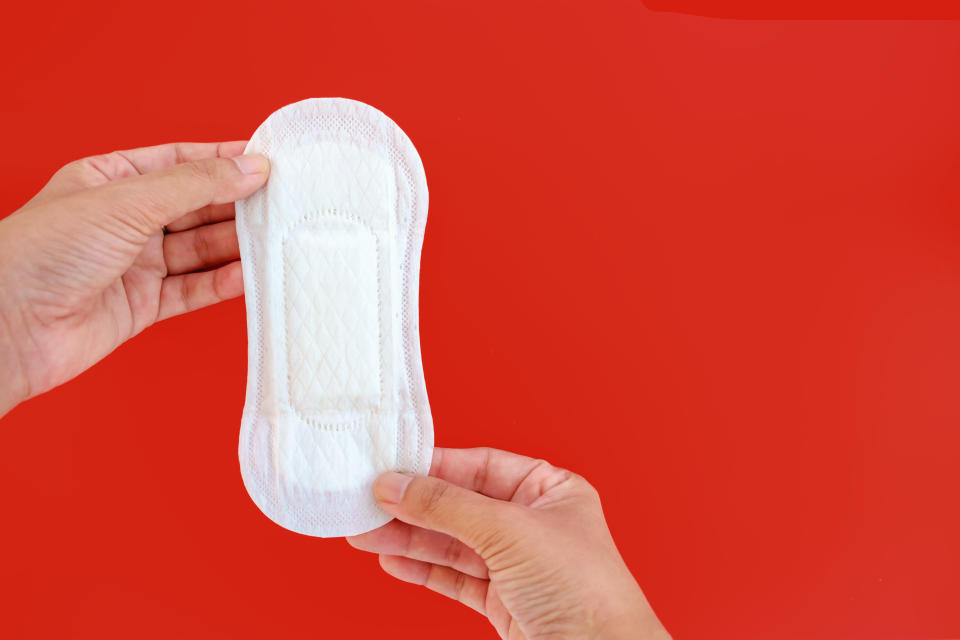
(330, 249)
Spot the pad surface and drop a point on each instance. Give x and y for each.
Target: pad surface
(330, 249)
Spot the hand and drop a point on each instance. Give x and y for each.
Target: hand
(520, 541)
(85, 264)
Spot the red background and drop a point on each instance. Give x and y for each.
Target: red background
(713, 265)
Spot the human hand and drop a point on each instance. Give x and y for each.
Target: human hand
(518, 540)
(86, 265)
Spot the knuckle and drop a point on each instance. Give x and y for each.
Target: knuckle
(480, 476)
(76, 165)
(87, 171)
(97, 160)
(545, 477)
(82, 165)
(201, 244)
(178, 153)
(459, 582)
(543, 472)
(432, 497)
(584, 488)
(542, 469)
(183, 294)
(109, 164)
(543, 466)
(143, 209)
(219, 286)
(201, 170)
(451, 555)
(131, 212)
(585, 485)
(113, 156)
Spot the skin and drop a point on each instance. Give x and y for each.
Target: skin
(518, 540)
(114, 243)
(85, 264)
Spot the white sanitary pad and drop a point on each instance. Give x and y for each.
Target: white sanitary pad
(331, 261)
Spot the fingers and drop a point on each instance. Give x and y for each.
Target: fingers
(201, 247)
(400, 539)
(134, 162)
(138, 207)
(205, 215)
(492, 472)
(436, 504)
(191, 291)
(444, 580)
(97, 170)
(148, 159)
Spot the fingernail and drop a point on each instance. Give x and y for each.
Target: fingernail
(252, 163)
(390, 486)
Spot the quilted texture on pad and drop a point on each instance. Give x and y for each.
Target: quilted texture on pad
(332, 313)
(331, 253)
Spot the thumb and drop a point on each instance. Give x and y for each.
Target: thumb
(436, 504)
(147, 202)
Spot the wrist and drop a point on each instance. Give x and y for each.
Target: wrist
(13, 382)
(634, 626)
(629, 616)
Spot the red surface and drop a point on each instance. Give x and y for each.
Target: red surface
(812, 9)
(713, 265)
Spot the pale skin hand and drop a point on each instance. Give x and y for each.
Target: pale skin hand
(518, 540)
(85, 264)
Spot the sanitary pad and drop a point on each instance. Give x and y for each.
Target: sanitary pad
(330, 249)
